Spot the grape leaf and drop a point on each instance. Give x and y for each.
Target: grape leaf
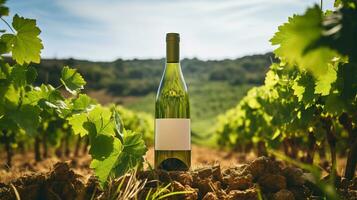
(22, 75)
(119, 126)
(6, 43)
(110, 154)
(12, 95)
(271, 79)
(83, 102)
(323, 84)
(25, 44)
(334, 104)
(72, 80)
(76, 121)
(132, 153)
(346, 3)
(4, 11)
(100, 117)
(295, 37)
(103, 160)
(304, 88)
(44, 92)
(27, 118)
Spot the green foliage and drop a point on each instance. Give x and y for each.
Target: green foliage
(4, 11)
(28, 111)
(296, 36)
(139, 122)
(113, 149)
(25, 45)
(72, 80)
(304, 95)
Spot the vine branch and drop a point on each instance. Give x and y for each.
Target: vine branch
(12, 30)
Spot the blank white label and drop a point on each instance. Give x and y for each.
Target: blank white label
(172, 134)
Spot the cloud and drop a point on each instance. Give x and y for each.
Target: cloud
(210, 29)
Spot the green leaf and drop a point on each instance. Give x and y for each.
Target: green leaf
(4, 11)
(76, 121)
(296, 36)
(83, 102)
(27, 118)
(12, 95)
(22, 75)
(345, 3)
(104, 160)
(323, 83)
(132, 154)
(304, 88)
(6, 42)
(99, 119)
(271, 79)
(25, 44)
(72, 80)
(112, 155)
(335, 104)
(44, 92)
(31, 75)
(3, 46)
(119, 126)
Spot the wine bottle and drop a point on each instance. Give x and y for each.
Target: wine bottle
(172, 113)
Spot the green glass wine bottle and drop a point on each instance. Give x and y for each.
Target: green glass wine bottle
(172, 112)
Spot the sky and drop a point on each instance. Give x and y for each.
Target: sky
(105, 30)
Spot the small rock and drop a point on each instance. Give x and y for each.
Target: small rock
(272, 182)
(163, 176)
(204, 186)
(177, 186)
(250, 194)
(62, 172)
(183, 177)
(195, 178)
(239, 182)
(257, 167)
(191, 195)
(273, 167)
(299, 192)
(30, 179)
(204, 172)
(210, 196)
(284, 195)
(294, 176)
(216, 172)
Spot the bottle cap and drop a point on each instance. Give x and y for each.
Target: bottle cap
(172, 37)
(172, 48)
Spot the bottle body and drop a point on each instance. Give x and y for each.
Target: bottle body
(172, 113)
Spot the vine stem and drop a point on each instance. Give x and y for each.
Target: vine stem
(321, 4)
(58, 87)
(12, 30)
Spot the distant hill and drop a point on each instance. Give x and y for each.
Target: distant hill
(214, 86)
(140, 77)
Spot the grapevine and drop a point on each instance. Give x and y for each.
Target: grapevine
(43, 114)
(309, 96)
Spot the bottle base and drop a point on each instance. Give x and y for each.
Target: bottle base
(178, 160)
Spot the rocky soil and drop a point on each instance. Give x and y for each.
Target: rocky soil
(262, 178)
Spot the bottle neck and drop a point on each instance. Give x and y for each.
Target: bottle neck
(172, 51)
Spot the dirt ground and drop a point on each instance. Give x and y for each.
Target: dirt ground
(215, 174)
(201, 156)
